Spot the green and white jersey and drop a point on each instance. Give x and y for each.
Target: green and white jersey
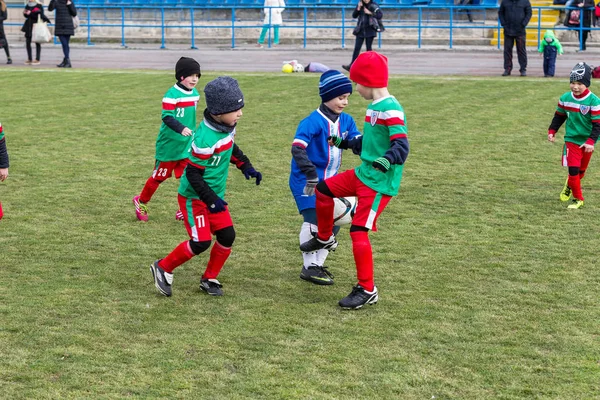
(1, 132)
(580, 114)
(384, 122)
(211, 151)
(180, 104)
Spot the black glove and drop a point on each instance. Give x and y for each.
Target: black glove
(382, 164)
(338, 142)
(252, 173)
(217, 206)
(309, 189)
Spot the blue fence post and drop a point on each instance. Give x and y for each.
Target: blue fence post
(343, 27)
(305, 12)
(123, 27)
(451, 21)
(499, 26)
(269, 32)
(419, 25)
(539, 28)
(162, 28)
(193, 35)
(233, 28)
(89, 34)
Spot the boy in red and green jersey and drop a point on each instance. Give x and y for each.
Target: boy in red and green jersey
(580, 108)
(202, 188)
(175, 134)
(4, 164)
(384, 149)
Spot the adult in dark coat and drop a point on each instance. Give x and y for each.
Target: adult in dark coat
(586, 22)
(63, 26)
(514, 16)
(3, 40)
(32, 11)
(368, 26)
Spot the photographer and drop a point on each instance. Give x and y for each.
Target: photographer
(368, 26)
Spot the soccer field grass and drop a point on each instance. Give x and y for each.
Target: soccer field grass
(488, 284)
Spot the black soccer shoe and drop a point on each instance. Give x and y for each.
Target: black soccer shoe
(162, 280)
(319, 275)
(211, 286)
(358, 297)
(315, 244)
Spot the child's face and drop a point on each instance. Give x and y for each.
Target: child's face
(577, 88)
(229, 119)
(337, 104)
(365, 92)
(549, 39)
(191, 81)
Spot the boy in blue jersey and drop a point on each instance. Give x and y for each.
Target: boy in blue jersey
(314, 159)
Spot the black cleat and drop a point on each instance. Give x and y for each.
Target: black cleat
(358, 298)
(316, 274)
(162, 280)
(315, 244)
(506, 73)
(211, 286)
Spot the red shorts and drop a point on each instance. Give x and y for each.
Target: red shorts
(576, 156)
(199, 222)
(164, 169)
(369, 203)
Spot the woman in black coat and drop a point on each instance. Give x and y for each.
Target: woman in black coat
(32, 11)
(63, 26)
(368, 25)
(3, 40)
(587, 21)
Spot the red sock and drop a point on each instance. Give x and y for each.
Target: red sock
(1, 213)
(324, 215)
(581, 174)
(218, 255)
(363, 257)
(149, 188)
(575, 185)
(178, 256)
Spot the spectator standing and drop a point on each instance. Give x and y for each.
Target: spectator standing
(585, 24)
(514, 16)
(3, 40)
(32, 11)
(368, 25)
(63, 26)
(272, 18)
(467, 10)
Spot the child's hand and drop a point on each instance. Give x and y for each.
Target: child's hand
(3, 174)
(186, 132)
(551, 137)
(587, 148)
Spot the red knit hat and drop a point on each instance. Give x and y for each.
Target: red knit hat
(370, 69)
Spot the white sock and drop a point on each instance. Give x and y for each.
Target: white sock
(305, 236)
(321, 256)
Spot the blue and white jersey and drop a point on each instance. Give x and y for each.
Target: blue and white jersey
(312, 134)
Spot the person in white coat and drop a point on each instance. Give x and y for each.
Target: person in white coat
(273, 10)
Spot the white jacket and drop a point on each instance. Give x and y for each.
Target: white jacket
(275, 12)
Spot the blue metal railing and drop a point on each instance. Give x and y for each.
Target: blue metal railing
(446, 19)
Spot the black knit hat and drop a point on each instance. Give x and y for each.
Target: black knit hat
(581, 73)
(186, 67)
(223, 95)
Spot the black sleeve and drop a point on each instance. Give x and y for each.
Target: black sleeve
(595, 131)
(173, 124)
(51, 6)
(557, 121)
(3, 15)
(306, 167)
(238, 158)
(72, 9)
(3, 154)
(195, 175)
(356, 145)
(398, 151)
(44, 18)
(355, 13)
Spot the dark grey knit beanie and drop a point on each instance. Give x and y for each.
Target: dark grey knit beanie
(223, 95)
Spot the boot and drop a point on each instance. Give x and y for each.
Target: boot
(67, 63)
(62, 64)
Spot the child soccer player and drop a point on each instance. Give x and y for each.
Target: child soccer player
(383, 153)
(550, 47)
(313, 159)
(581, 109)
(202, 188)
(175, 134)
(3, 162)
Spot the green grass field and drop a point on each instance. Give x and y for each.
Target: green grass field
(488, 284)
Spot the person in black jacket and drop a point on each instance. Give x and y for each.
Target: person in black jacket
(514, 16)
(32, 11)
(3, 40)
(63, 26)
(368, 25)
(586, 23)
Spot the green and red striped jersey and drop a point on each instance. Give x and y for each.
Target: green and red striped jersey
(580, 114)
(1, 132)
(384, 122)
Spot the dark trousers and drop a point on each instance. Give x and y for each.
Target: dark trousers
(549, 65)
(509, 42)
(468, 11)
(64, 41)
(3, 36)
(358, 45)
(582, 38)
(38, 49)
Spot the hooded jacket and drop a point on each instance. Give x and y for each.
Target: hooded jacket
(549, 34)
(514, 16)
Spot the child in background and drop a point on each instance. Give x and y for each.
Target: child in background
(383, 153)
(313, 160)
(202, 188)
(580, 108)
(273, 10)
(550, 48)
(3, 162)
(175, 134)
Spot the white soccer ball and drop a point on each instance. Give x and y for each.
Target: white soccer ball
(298, 68)
(343, 210)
